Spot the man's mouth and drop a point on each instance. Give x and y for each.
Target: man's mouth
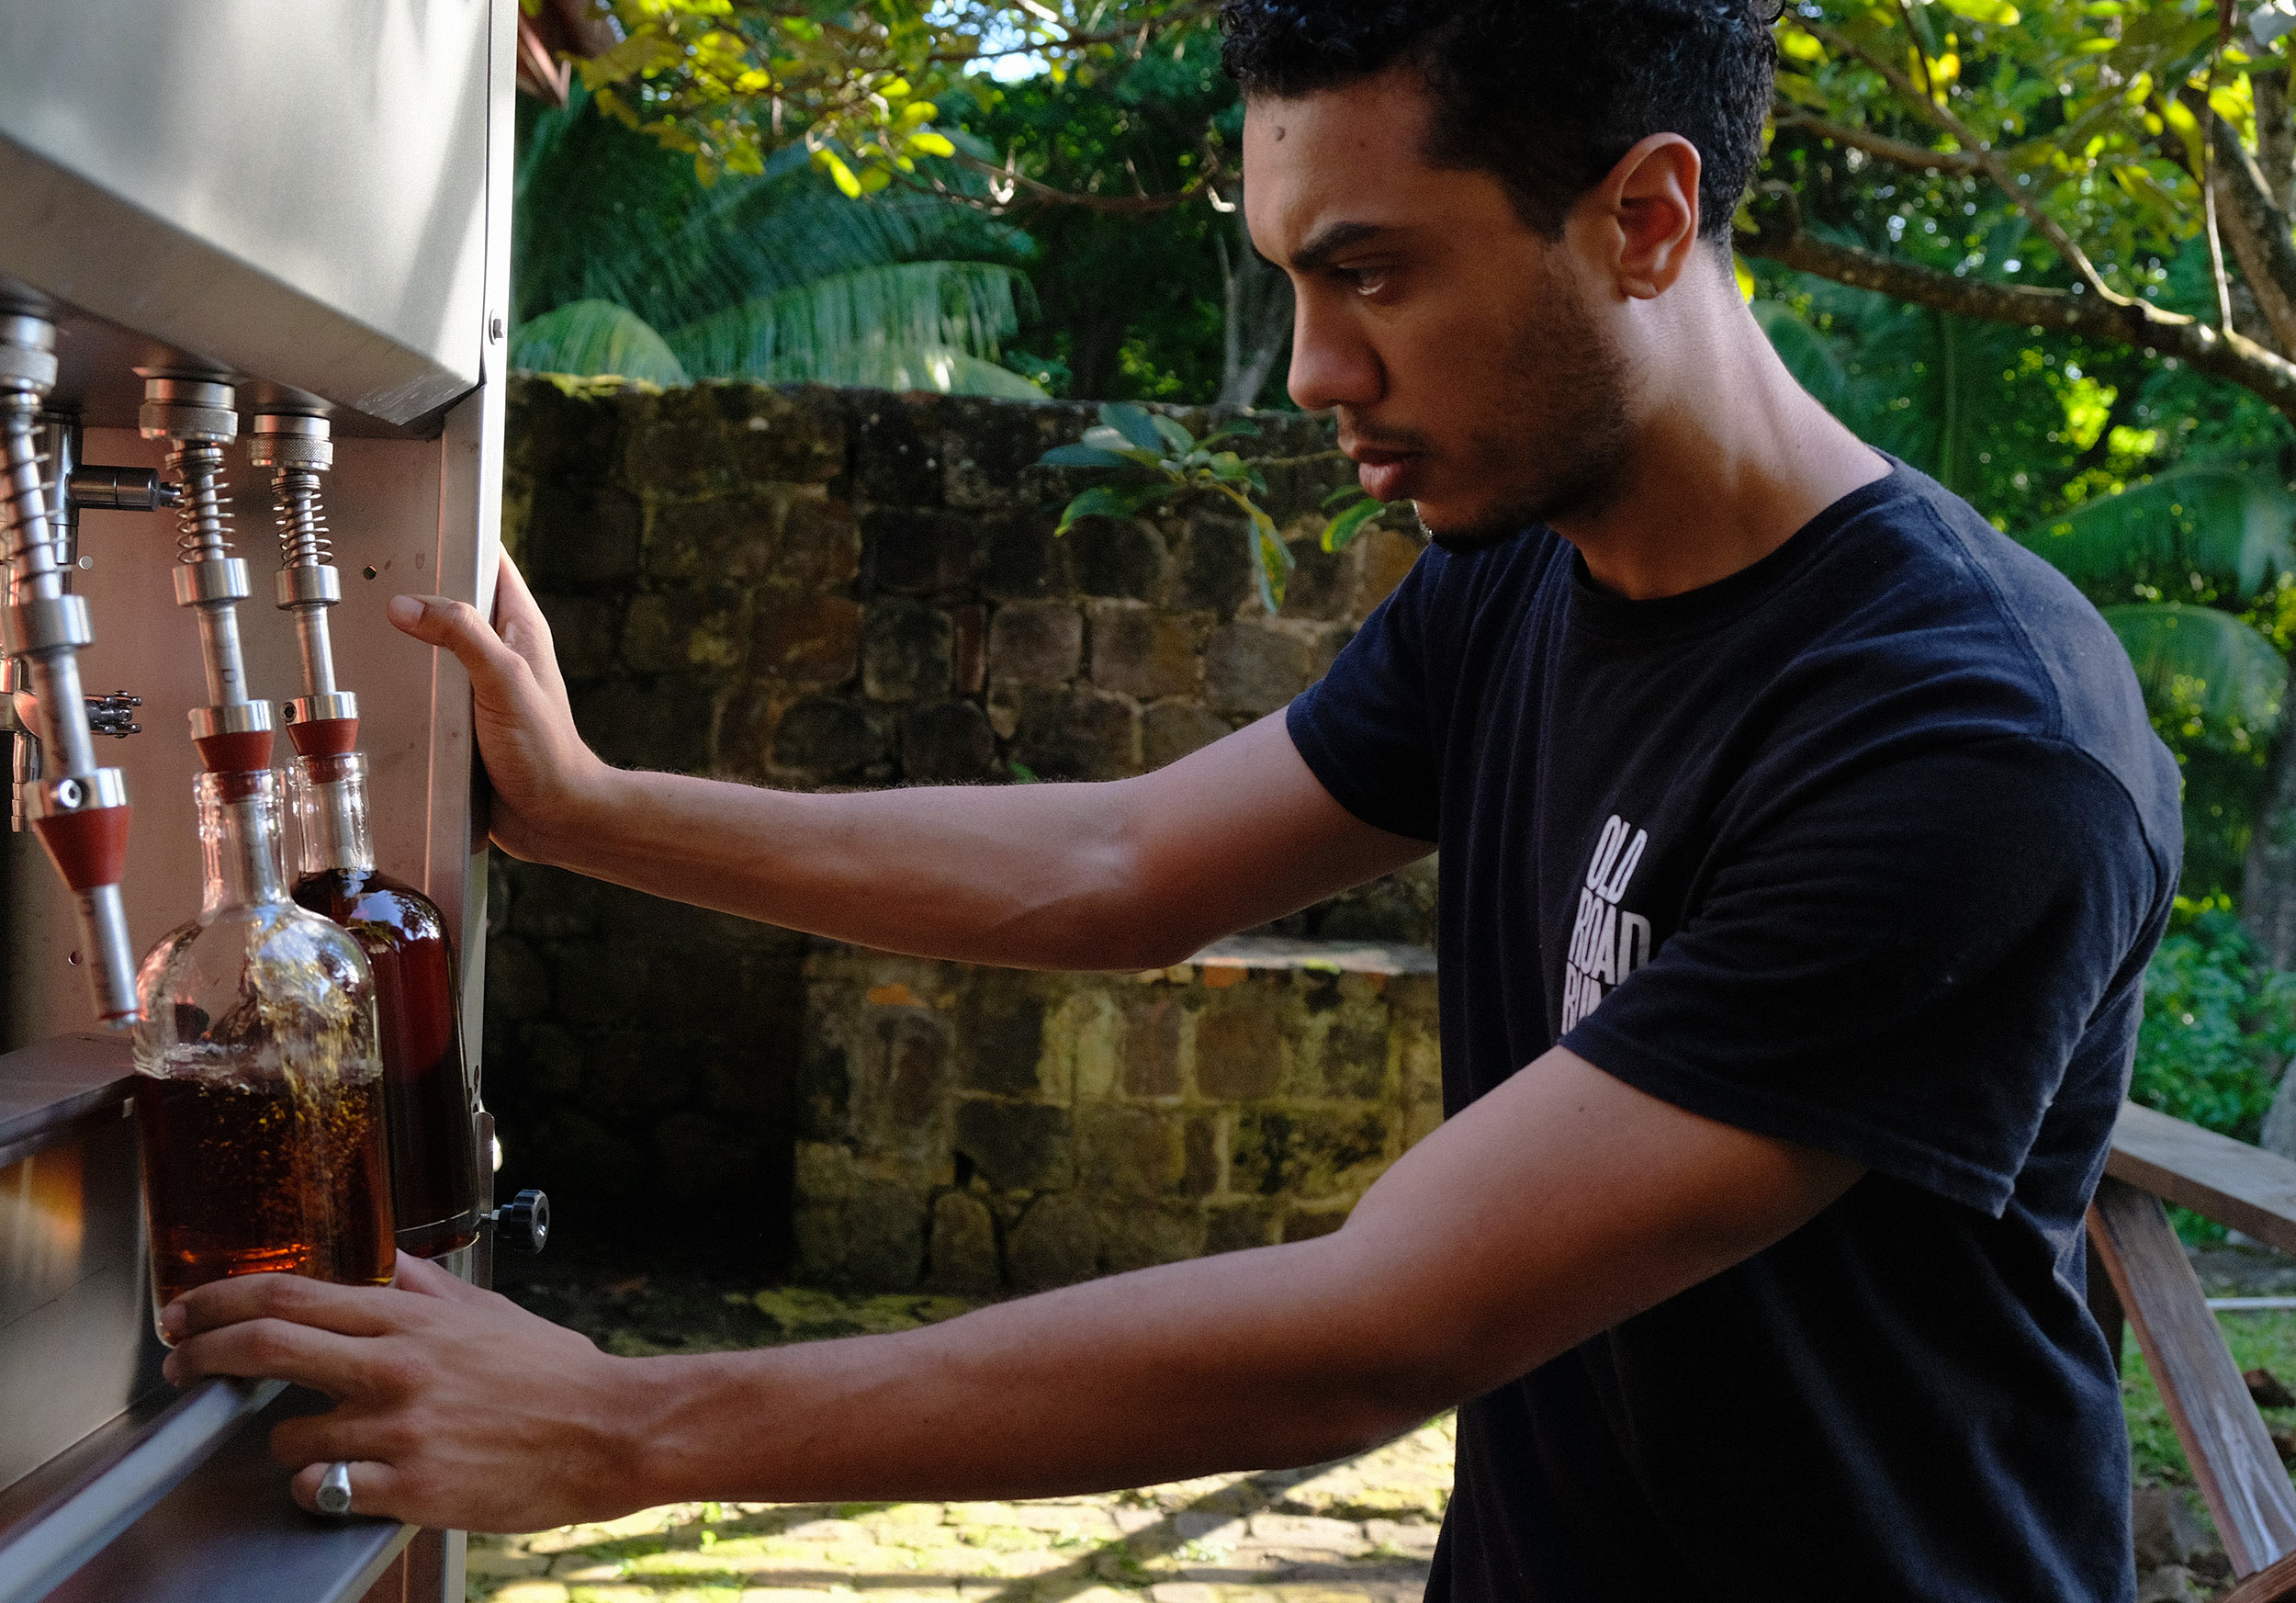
(1384, 474)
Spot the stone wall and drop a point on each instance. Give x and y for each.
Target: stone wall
(815, 589)
(978, 1130)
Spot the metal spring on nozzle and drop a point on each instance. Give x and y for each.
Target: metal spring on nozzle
(303, 538)
(24, 506)
(203, 520)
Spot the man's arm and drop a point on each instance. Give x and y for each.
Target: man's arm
(1133, 873)
(1558, 1206)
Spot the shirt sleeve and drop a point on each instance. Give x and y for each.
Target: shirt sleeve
(1898, 965)
(1366, 729)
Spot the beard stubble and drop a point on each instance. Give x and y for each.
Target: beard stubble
(1564, 409)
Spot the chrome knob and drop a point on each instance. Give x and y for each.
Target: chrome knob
(524, 1222)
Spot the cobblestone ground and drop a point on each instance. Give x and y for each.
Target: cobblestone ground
(1355, 1531)
(1360, 1530)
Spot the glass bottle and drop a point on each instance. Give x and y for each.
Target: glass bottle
(432, 1104)
(259, 1099)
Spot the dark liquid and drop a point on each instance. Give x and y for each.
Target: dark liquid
(242, 1179)
(428, 1101)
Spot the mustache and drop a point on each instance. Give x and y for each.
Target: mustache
(1354, 438)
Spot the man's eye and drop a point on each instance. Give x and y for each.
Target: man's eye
(1366, 280)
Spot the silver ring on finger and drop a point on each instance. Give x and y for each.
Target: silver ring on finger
(334, 1489)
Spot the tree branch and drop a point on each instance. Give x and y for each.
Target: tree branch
(2226, 355)
(2276, 138)
(1989, 160)
(1015, 183)
(1896, 151)
(2258, 232)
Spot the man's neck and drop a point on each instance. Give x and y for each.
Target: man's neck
(1728, 461)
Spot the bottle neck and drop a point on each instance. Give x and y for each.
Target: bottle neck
(242, 846)
(330, 814)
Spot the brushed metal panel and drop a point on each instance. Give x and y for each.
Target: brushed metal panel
(75, 1313)
(291, 188)
(385, 505)
(230, 1531)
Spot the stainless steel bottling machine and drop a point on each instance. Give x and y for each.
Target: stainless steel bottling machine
(254, 272)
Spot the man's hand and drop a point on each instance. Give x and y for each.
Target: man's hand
(454, 1408)
(544, 778)
(1559, 1204)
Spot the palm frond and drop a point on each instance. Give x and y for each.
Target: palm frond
(940, 368)
(2201, 659)
(843, 322)
(604, 213)
(595, 337)
(2228, 520)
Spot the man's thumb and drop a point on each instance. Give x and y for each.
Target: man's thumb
(437, 621)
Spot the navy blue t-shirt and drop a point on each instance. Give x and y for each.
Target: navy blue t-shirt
(1863, 847)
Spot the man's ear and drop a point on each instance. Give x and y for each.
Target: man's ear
(1643, 216)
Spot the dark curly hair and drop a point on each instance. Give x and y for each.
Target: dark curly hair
(1544, 95)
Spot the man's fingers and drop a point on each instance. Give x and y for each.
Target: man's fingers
(421, 1276)
(375, 1487)
(455, 626)
(347, 1309)
(520, 622)
(274, 1350)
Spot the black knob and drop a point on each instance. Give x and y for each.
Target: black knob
(524, 1222)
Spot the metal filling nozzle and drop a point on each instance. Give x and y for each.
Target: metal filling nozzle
(198, 417)
(79, 810)
(297, 447)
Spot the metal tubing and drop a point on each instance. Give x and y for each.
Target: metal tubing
(55, 676)
(318, 656)
(110, 958)
(299, 448)
(218, 651)
(196, 417)
(80, 808)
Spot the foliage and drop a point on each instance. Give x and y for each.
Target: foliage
(2258, 1339)
(2158, 491)
(1161, 461)
(625, 263)
(2218, 1028)
(727, 81)
(1133, 305)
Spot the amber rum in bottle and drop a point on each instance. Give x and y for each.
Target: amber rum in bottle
(259, 1097)
(431, 1103)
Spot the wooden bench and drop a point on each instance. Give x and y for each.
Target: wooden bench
(2138, 1271)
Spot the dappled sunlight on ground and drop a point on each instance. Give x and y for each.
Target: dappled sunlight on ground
(1360, 1530)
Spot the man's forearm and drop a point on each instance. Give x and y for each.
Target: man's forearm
(1252, 1360)
(1135, 874)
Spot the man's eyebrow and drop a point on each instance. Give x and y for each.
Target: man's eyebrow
(1321, 249)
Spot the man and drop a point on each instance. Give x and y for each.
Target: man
(1803, 843)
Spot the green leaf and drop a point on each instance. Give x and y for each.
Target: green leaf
(1239, 430)
(1081, 456)
(1115, 443)
(1998, 13)
(1351, 523)
(1271, 559)
(1177, 438)
(1227, 465)
(1021, 772)
(2230, 521)
(2199, 657)
(1110, 501)
(1344, 493)
(592, 339)
(1133, 424)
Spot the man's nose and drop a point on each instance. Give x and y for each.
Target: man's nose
(1332, 363)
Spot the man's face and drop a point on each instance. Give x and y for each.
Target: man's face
(1467, 356)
